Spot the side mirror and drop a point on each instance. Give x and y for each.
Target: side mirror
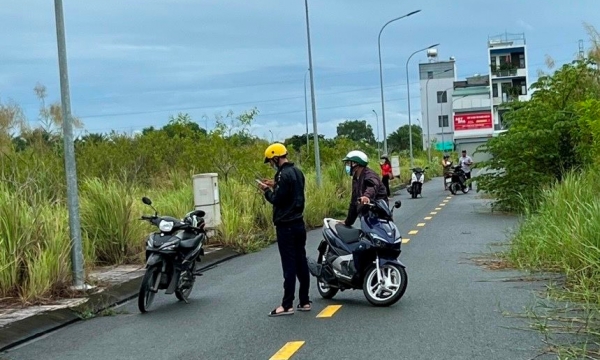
(397, 204)
(147, 201)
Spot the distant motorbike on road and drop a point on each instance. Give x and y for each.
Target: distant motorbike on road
(416, 181)
(375, 269)
(458, 181)
(171, 255)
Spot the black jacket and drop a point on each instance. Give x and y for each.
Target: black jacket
(367, 184)
(287, 196)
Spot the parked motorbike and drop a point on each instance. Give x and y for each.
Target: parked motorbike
(458, 181)
(416, 181)
(374, 268)
(171, 255)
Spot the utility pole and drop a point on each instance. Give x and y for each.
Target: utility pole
(312, 98)
(70, 166)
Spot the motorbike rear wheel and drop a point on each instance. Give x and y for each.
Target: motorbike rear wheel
(146, 295)
(453, 188)
(184, 294)
(326, 291)
(394, 282)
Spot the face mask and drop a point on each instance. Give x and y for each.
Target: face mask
(348, 170)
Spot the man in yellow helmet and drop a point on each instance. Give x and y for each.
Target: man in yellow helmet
(286, 193)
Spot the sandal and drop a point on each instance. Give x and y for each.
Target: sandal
(301, 307)
(274, 312)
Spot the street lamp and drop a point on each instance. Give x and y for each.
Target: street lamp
(385, 148)
(427, 104)
(377, 122)
(70, 165)
(312, 98)
(306, 109)
(408, 95)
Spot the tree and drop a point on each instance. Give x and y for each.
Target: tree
(297, 141)
(547, 136)
(400, 140)
(356, 130)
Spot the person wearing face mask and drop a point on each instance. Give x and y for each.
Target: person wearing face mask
(366, 187)
(366, 184)
(286, 193)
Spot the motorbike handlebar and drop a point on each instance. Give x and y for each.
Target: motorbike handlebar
(146, 217)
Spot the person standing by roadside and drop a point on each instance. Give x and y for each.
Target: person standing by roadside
(465, 163)
(446, 169)
(386, 173)
(286, 193)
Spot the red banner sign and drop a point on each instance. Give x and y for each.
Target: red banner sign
(473, 121)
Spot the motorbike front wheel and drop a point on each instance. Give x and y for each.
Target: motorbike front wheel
(454, 188)
(146, 295)
(394, 281)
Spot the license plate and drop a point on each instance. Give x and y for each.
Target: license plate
(448, 181)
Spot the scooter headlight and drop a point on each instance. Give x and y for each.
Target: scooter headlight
(165, 226)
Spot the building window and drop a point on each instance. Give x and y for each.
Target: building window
(442, 97)
(522, 61)
(495, 90)
(443, 121)
(493, 62)
(430, 74)
(523, 88)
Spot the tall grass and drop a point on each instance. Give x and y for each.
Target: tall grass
(564, 234)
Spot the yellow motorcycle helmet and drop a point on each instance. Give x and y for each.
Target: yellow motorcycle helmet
(275, 150)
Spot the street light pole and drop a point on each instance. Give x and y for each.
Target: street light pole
(306, 109)
(377, 122)
(312, 98)
(410, 142)
(70, 164)
(385, 148)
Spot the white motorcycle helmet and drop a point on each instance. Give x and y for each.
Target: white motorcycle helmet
(357, 157)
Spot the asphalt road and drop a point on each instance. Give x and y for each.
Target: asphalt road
(451, 309)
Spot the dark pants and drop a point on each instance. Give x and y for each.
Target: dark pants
(468, 176)
(291, 241)
(386, 182)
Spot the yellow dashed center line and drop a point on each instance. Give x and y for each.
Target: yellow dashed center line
(421, 224)
(329, 311)
(438, 209)
(405, 240)
(287, 351)
(445, 200)
(413, 232)
(449, 197)
(442, 204)
(433, 212)
(428, 217)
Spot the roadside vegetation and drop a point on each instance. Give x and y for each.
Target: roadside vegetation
(547, 168)
(115, 170)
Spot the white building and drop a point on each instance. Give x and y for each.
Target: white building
(479, 109)
(437, 82)
(508, 73)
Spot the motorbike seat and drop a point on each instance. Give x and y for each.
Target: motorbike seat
(348, 234)
(190, 242)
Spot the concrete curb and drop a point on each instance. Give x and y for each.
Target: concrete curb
(37, 325)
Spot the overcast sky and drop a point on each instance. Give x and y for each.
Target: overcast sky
(133, 63)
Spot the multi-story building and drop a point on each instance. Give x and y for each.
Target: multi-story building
(472, 120)
(508, 73)
(437, 83)
(479, 104)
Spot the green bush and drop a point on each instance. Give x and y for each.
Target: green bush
(563, 233)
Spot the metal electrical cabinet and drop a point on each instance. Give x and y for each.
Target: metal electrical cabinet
(206, 198)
